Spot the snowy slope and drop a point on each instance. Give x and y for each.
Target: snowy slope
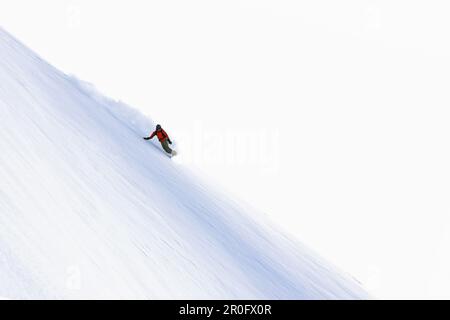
(90, 210)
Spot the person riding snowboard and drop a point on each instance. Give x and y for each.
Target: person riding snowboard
(163, 137)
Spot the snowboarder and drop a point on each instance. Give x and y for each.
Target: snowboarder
(163, 137)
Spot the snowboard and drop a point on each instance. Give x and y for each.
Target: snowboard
(174, 153)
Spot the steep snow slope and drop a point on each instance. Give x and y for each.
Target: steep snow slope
(90, 210)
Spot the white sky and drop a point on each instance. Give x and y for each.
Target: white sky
(330, 116)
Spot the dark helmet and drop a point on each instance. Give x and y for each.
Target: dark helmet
(158, 127)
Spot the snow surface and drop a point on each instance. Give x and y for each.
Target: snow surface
(88, 209)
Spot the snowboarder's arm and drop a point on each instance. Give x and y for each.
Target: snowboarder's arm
(168, 139)
(151, 136)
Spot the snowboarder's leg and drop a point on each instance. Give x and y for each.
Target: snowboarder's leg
(166, 147)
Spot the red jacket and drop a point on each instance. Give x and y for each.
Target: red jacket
(161, 134)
